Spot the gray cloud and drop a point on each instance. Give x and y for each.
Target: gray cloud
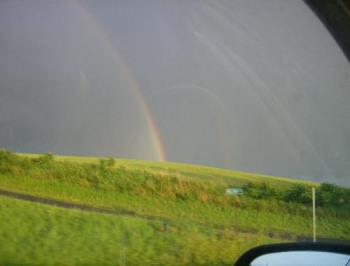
(249, 85)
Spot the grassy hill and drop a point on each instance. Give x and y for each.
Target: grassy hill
(125, 212)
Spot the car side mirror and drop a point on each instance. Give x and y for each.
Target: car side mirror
(303, 253)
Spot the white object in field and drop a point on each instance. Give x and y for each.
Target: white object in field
(234, 191)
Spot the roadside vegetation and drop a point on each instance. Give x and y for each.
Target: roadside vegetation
(188, 202)
(34, 234)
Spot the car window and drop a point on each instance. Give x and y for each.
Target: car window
(170, 132)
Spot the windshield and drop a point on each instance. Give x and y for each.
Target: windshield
(169, 132)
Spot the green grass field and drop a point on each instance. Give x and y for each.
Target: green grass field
(45, 235)
(175, 214)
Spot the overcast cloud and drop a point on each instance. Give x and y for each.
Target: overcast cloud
(249, 85)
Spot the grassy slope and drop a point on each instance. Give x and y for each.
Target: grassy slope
(187, 170)
(185, 195)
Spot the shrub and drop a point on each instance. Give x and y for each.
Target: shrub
(299, 194)
(44, 159)
(7, 156)
(7, 160)
(333, 195)
(259, 191)
(110, 162)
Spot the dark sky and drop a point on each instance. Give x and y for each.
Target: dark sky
(249, 85)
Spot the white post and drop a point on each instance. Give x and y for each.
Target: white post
(314, 213)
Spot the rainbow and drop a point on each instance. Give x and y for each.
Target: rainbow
(155, 139)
